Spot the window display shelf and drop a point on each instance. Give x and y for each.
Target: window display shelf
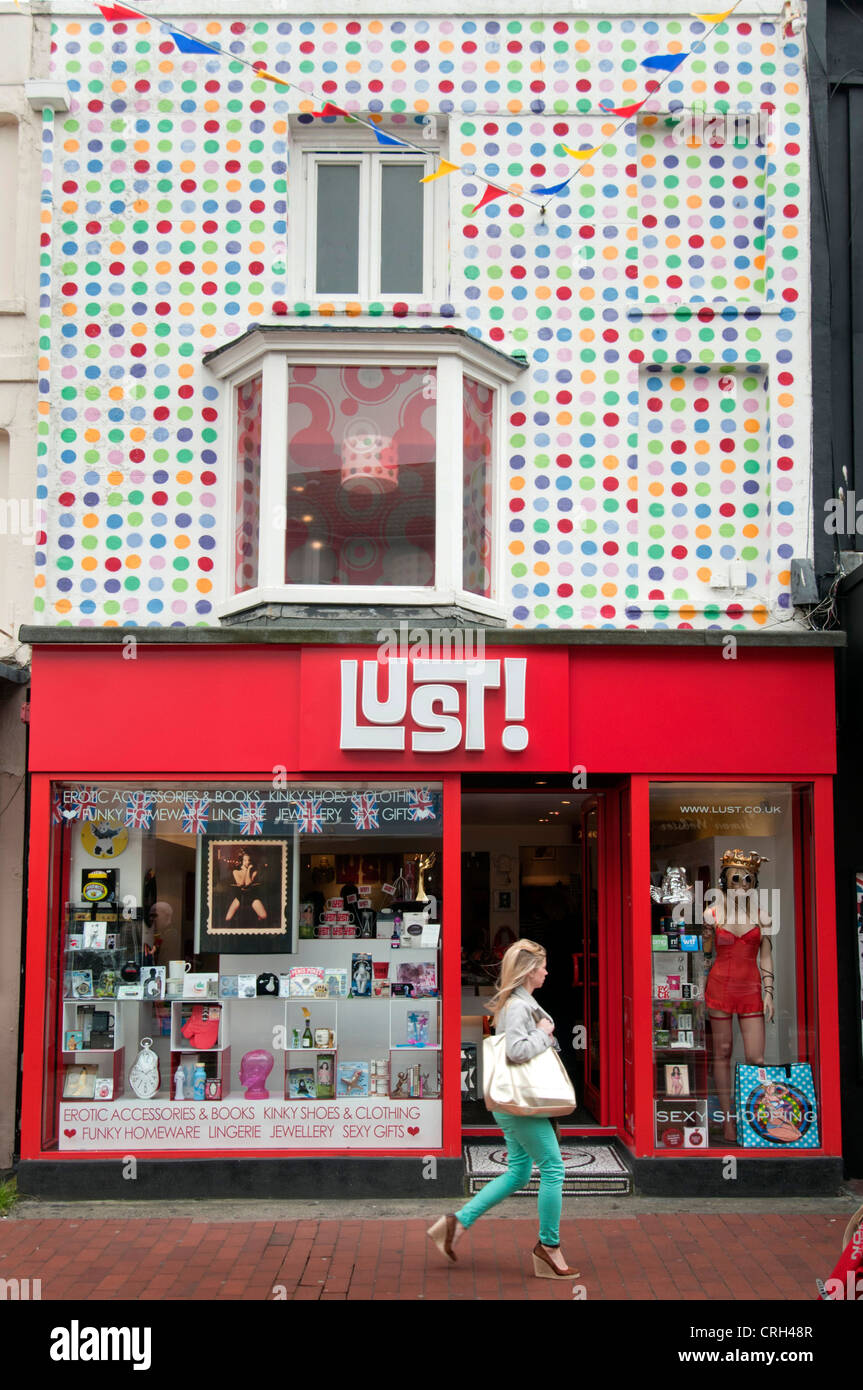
(94, 1075)
(315, 979)
(205, 1016)
(217, 1068)
(91, 1026)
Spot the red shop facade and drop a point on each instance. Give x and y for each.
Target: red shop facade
(271, 875)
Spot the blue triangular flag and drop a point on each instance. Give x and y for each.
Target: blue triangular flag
(384, 139)
(558, 187)
(187, 45)
(667, 61)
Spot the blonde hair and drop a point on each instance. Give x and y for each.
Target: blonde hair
(519, 961)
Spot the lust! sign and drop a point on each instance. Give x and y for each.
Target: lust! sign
(446, 702)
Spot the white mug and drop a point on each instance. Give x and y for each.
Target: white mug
(177, 969)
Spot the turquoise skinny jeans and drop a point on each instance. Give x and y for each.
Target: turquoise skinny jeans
(529, 1139)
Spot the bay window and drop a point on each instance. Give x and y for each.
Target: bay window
(354, 453)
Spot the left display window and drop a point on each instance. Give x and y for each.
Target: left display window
(244, 967)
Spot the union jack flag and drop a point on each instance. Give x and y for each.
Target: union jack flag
(311, 820)
(57, 817)
(196, 809)
(365, 811)
(421, 804)
(252, 816)
(84, 798)
(138, 814)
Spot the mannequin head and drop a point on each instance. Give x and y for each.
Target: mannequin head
(739, 871)
(254, 1070)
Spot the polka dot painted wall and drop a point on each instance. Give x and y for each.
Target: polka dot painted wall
(657, 447)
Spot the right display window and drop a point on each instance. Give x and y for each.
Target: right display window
(733, 964)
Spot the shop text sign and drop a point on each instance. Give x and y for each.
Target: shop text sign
(506, 709)
(447, 704)
(237, 1124)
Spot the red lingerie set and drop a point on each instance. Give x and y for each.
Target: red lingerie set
(734, 982)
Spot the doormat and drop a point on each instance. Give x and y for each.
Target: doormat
(589, 1169)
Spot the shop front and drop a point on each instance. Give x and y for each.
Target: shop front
(270, 881)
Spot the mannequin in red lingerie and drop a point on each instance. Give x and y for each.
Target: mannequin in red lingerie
(741, 980)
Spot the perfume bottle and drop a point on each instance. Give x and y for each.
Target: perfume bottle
(199, 1082)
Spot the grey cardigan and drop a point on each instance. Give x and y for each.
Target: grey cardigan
(518, 1019)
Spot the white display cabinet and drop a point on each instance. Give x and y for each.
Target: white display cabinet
(81, 1016)
(181, 1010)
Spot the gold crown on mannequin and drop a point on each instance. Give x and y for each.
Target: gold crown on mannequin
(736, 859)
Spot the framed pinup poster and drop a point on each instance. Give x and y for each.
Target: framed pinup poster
(246, 895)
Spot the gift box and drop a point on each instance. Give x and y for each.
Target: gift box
(776, 1107)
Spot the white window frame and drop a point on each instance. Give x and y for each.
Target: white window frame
(452, 357)
(312, 148)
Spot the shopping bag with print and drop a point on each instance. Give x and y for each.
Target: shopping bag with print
(776, 1107)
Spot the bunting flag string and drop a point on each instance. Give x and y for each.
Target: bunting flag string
(665, 63)
(491, 195)
(270, 77)
(328, 109)
(627, 111)
(384, 139)
(558, 188)
(443, 168)
(582, 154)
(187, 45)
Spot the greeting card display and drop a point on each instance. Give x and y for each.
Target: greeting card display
(776, 1107)
(306, 980)
(335, 982)
(82, 984)
(153, 981)
(670, 973)
(422, 976)
(325, 1076)
(352, 1079)
(301, 1083)
(79, 1083)
(361, 975)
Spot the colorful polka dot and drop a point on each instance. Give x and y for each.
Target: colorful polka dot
(652, 442)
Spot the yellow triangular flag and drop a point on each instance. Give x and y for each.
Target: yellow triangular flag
(713, 18)
(443, 168)
(271, 77)
(582, 154)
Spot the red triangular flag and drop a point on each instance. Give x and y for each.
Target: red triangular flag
(625, 110)
(114, 12)
(330, 110)
(491, 195)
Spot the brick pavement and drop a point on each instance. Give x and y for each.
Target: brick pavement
(665, 1257)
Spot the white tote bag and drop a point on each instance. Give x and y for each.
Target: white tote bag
(540, 1086)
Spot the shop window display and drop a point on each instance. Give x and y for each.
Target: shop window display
(733, 960)
(245, 967)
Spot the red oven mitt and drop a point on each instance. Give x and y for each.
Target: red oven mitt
(202, 1026)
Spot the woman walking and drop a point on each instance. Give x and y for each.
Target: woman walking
(529, 1138)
